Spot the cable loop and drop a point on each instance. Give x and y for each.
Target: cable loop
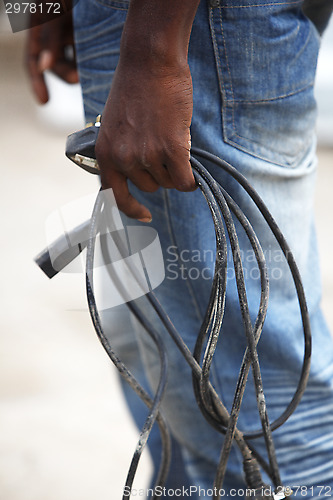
(223, 210)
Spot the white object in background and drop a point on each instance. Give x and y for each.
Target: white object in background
(324, 89)
(64, 110)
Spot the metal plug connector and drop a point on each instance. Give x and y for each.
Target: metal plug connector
(80, 147)
(284, 492)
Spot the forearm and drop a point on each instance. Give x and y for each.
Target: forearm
(145, 131)
(158, 31)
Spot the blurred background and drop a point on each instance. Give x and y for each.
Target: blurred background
(64, 430)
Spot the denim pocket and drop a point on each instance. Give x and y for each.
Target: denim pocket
(266, 56)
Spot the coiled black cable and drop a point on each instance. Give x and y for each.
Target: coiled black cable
(221, 205)
(252, 336)
(296, 278)
(153, 405)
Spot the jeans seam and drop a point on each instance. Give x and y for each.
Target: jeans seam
(114, 5)
(229, 73)
(217, 55)
(230, 141)
(226, 54)
(260, 156)
(259, 5)
(272, 99)
(229, 105)
(173, 238)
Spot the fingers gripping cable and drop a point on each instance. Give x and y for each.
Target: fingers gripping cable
(223, 210)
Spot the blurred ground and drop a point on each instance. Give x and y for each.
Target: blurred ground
(64, 430)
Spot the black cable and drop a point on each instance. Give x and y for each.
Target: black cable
(217, 219)
(252, 340)
(297, 281)
(215, 310)
(153, 405)
(223, 414)
(221, 205)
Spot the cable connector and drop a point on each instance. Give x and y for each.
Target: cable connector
(257, 489)
(284, 493)
(80, 147)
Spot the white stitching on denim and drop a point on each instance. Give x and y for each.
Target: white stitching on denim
(229, 73)
(226, 54)
(115, 4)
(272, 99)
(232, 101)
(259, 5)
(217, 56)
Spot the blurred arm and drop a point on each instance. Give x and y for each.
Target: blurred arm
(47, 49)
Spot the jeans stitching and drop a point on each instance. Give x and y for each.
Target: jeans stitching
(258, 101)
(231, 103)
(257, 154)
(173, 238)
(226, 54)
(258, 5)
(217, 55)
(117, 5)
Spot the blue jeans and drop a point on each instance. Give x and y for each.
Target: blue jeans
(253, 65)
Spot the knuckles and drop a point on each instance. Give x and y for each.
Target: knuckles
(129, 157)
(117, 155)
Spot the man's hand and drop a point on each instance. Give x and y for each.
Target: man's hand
(145, 134)
(145, 130)
(47, 49)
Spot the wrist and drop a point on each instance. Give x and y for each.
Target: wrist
(154, 54)
(157, 32)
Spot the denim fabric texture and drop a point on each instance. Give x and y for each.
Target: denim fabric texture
(253, 66)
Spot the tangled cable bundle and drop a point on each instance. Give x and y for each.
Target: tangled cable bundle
(223, 208)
